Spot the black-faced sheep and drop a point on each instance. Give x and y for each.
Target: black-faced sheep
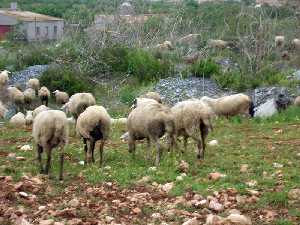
(193, 119)
(4, 78)
(17, 97)
(151, 121)
(231, 105)
(78, 103)
(93, 125)
(50, 130)
(34, 84)
(61, 97)
(18, 120)
(297, 101)
(38, 110)
(152, 95)
(44, 95)
(279, 41)
(29, 95)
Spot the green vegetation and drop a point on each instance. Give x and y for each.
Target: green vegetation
(204, 68)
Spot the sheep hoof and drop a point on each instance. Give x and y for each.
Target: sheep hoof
(199, 156)
(61, 178)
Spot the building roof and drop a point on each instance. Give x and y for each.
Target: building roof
(28, 16)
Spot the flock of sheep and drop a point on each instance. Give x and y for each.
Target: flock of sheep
(148, 119)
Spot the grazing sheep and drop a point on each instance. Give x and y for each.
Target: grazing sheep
(231, 105)
(61, 97)
(219, 44)
(38, 110)
(29, 95)
(296, 44)
(50, 130)
(3, 110)
(17, 97)
(138, 102)
(167, 45)
(93, 124)
(151, 121)
(29, 118)
(18, 120)
(78, 103)
(152, 95)
(44, 95)
(4, 78)
(193, 119)
(34, 84)
(279, 41)
(297, 101)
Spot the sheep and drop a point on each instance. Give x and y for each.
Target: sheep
(17, 97)
(50, 130)
(296, 44)
(3, 110)
(220, 44)
(4, 78)
(193, 119)
(138, 102)
(38, 110)
(44, 95)
(297, 101)
(92, 125)
(18, 120)
(29, 118)
(152, 95)
(61, 97)
(285, 55)
(34, 84)
(231, 105)
(29, 95)
(78, 103)
(151, 121)
(166, 45)
(279, 41)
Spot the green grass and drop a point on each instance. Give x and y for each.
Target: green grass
(254, 142)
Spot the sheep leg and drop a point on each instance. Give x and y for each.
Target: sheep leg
(48, 165)
(92, 148)
(46, 100)
(148, 149)
(101, 151)
(61, 164)
(40, 151)
(159, 152)
(185, 141)
(85, 150)
(131, 145)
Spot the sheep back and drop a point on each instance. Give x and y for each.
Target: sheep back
(152, 95)
(38, 110)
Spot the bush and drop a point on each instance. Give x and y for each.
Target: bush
(233, 80)
(65, 79)
(205, 68)
(128, 94)
(145, 67)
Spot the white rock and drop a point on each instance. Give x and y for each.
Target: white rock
(214, 205)
(251, 183)
(167, 187)
(42, 207)
(109, 219)
(213, 143)
(81, 163)
(153, 168)
(23, 194)
(267, 109)
(277, 165)
(238, 219)
(179, 178)
(192, 221)
(213, 219)
(26, 148)
(47, 222)
(156, 215)
(74, 203)
(11, 155)
(294, 194)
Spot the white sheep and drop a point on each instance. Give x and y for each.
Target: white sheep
(44, 95)
(231, 105)
(140, 102)
(29, 118)
(50, 130)
(78, 103)
(4, 78)
(3, 110)
(38, 110)
(193, 119)
(29, 95)
(279, 41)
(93, 125)
(296, 44)
(151, 121)
(61, 97)
(17, 97)
(219, 44)
(152, 95)
(18, 120)
(34, 84)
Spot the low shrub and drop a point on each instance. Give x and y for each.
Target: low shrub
(204, 68)
(128, 94)
(66, 79)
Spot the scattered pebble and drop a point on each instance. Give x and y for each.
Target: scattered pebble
(26, 148)
(213, 143)
(277, 165)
